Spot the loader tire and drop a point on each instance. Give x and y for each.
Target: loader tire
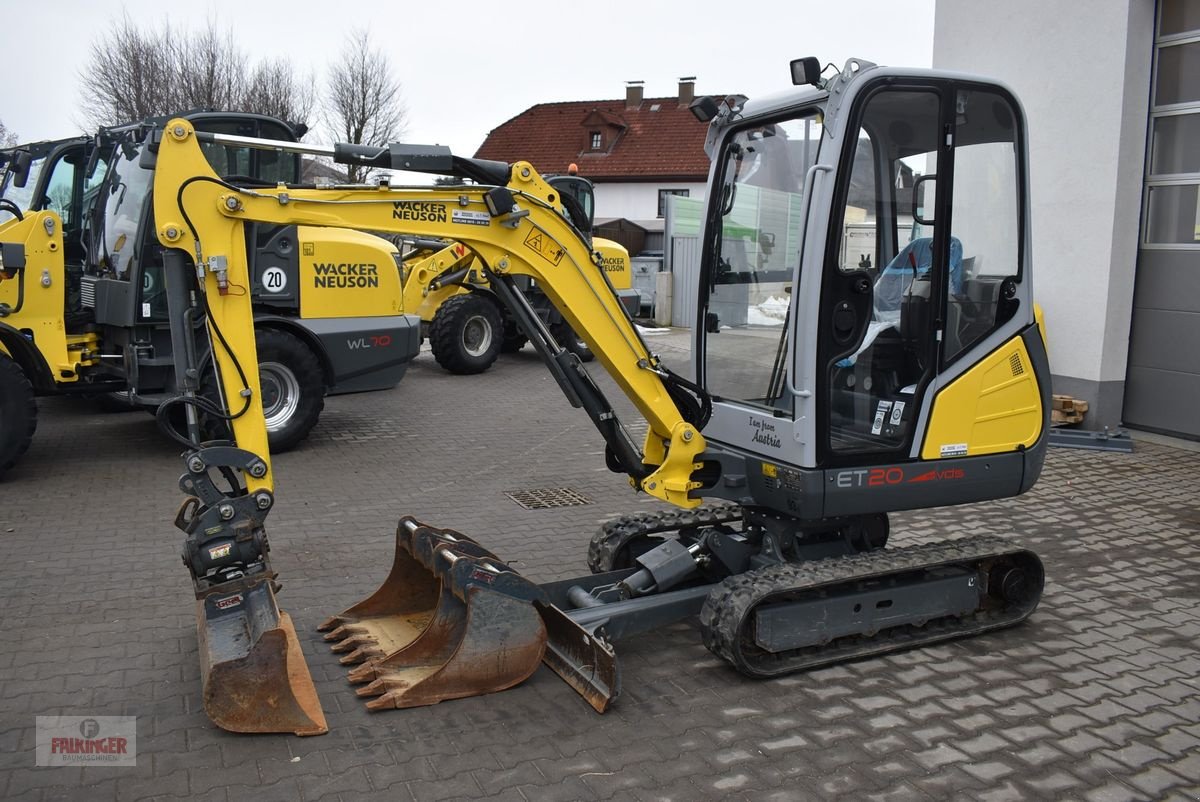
(568, 339)
(18, 413)
(293, 387)
(466, 334)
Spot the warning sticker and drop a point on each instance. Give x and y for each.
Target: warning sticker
(545, 247)
(881, 413)
(471, 218)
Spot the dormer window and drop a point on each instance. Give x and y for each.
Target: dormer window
(597, 140)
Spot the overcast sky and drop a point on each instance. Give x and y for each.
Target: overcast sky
(467, 66)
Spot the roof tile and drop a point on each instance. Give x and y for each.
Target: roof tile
(659, 139)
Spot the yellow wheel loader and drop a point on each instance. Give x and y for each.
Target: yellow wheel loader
(838, 378)
(328, 305)
(467, 325)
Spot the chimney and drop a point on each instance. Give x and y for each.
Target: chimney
(687, 90)
(633, 94)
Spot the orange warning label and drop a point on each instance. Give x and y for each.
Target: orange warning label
(545, 247)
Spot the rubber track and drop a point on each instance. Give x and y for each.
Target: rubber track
(730, 607)
(617, 533)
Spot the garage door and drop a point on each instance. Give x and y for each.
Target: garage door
(1162, 386)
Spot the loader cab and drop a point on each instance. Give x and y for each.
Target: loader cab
(60, 176)
(126, 247)
(578, 197)
(53, 176)
(866, 248)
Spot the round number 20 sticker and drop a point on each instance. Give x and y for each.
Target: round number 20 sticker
(274, 279)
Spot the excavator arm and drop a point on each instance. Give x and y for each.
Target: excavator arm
(515, 230)
(482, 625)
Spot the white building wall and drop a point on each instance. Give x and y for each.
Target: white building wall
(1082, 72)
(637, 200)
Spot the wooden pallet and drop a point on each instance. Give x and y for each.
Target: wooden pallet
(1066, 410)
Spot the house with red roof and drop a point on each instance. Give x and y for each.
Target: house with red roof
(636, 150)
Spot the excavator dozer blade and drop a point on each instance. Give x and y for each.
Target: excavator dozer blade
(254, 675)
(451, 621)
(584, 661)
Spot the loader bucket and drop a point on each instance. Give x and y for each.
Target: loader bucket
(481, 634)
(254, 675)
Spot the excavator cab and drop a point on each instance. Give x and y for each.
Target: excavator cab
(820, 356)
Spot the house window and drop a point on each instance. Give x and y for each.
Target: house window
(663, 194)
(597, 140)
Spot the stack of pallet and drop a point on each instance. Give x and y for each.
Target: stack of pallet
(1065, 410)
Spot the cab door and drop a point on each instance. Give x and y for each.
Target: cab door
(922, 263)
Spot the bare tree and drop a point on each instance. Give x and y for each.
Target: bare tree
(134, 73)
(365, 105)
(7, 138)
(274, 89)
(129, 75)
(209, 69)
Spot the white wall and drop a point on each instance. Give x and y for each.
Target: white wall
(637, 200)
(1082, 71)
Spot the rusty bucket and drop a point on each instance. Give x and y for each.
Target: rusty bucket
(254, 675)
(450, 621)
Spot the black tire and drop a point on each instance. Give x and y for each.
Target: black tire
(568, 339)
(466, 334)
(514, 339)
(18, 413)
(293, 387)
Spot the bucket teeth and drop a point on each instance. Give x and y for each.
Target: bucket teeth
(353, 642)
(376, 687)
(362, 673)
(451, 620)
(362, 654)
(342, 631)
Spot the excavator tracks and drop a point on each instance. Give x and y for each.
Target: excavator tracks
(798, 616)
(606, 545)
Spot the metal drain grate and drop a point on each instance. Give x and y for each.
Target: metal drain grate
(545, 498)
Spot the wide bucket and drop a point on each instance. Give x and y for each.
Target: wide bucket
(401, 608)
(450, 621)
(253, 671)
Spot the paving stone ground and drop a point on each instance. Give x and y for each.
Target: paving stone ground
(1096, 697)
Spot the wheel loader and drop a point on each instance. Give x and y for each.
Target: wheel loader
(467, 325)
(919, 381)
(329, 315)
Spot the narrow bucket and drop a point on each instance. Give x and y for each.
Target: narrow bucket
(254, 675)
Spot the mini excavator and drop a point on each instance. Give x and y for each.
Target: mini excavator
(866, 342)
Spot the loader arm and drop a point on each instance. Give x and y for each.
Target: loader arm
(515, 230)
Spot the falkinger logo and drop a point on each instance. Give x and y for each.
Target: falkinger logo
(86, 740)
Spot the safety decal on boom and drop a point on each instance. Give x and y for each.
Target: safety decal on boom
(544, 246)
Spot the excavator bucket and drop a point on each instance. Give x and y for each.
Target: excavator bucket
(254, 675)
(451, 620)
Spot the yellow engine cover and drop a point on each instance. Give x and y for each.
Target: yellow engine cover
(994, 407)
(346, 273)
(615, 261)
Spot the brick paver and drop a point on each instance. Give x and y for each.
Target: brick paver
(1096, 697)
